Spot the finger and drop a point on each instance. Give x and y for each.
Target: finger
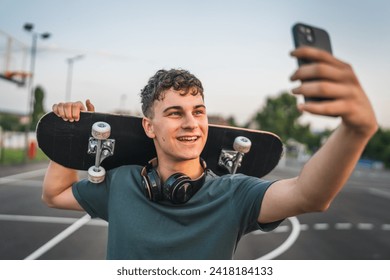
(54, 108)
(325, 108)
(323, 89)
(320, 71)
(316, 54)
(68, 112)
(58, 109)
(90, 106)
(76, 107)
(61, 111)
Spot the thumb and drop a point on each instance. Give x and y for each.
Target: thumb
(90, 107)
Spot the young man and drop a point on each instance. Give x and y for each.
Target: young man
(209, 220)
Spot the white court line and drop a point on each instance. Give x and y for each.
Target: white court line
(343, 226)
(379, 193)
(76, 224)
(22, 176)
(304, 227)
(386, 227)
(22, 183)
(287, 243)
(47, 219)
(365, 226)
(279, 229)
(58, 238)
(321, 226)
(37, 219)
(282, 229)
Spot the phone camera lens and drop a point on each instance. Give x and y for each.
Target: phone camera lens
(309, 38)
(308, 34)
(302, 29)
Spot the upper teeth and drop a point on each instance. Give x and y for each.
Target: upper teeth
(192, 138)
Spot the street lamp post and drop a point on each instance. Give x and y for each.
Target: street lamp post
(29, 27)
(70, 74)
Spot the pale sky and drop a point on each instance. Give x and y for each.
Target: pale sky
(238, 49)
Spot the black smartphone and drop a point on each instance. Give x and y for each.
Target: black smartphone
(304, 34)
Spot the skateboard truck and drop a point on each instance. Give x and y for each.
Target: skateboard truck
(103, 147)
(231, 159)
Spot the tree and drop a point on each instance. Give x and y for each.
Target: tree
(232, 121)
(10, 122)
(280, 116)
(378, 148)
(38, 110)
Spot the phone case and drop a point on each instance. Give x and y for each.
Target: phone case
(304, 34)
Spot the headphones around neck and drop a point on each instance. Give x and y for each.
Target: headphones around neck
(178, 188)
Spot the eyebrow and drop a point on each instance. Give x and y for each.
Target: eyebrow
(181, 108)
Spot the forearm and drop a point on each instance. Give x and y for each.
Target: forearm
(327, 171)
(57, 186)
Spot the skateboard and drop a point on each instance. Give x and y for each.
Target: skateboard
(99, 142)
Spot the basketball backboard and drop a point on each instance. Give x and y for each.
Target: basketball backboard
(13, 59)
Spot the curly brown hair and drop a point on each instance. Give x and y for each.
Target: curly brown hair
(177, 79)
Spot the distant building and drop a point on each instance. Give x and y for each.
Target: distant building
(214, 119)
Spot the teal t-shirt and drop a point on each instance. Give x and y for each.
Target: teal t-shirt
(208, 226)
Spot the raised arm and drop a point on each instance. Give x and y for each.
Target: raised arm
(58, 181)
(327, 171)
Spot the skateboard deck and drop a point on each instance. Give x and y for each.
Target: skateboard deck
(67, 144)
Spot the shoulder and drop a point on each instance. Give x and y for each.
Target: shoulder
(235, 179)
(125, 170)
(236, 183)
(121, 173)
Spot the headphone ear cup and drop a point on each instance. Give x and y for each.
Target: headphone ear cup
(152, 183)
(146, 184)
(177, 188)
(185, 188)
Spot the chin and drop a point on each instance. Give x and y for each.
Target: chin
(192, 156)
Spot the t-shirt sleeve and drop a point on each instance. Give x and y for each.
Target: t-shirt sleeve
(93, 198)
(249, 194)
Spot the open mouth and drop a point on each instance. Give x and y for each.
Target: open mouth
(188, 139)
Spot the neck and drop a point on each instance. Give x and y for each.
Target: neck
(192, 168)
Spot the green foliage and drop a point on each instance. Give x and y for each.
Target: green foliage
(378, 148)
(38, 110)
(232, 121)
(10, 122)
(17, 156)
(280, 115)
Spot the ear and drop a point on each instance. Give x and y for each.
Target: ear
(148, 127)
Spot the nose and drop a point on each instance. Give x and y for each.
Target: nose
(189, 122)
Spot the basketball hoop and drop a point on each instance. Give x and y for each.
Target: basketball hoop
(18, 77)
(12, 74)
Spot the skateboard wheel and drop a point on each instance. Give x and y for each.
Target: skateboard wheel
(101, 130)
(96, 174)
(242, 144)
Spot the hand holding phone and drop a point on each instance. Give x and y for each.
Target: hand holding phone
(307, 35)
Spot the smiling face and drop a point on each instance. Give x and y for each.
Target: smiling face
(179, 127)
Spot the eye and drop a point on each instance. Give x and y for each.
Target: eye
(174, 114)
(199, 112)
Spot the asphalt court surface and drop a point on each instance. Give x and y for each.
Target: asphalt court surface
(28, 225)
(31, 230)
